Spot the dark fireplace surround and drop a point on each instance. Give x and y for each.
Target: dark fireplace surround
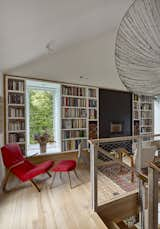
(115, 113)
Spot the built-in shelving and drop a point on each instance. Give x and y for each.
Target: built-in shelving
(15, 111)
(79, 116)
(143, 114)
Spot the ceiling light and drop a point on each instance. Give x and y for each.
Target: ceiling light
(51, 47)
(83, 77)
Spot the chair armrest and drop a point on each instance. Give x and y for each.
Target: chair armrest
(15, 165)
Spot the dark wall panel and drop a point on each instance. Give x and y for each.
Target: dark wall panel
(114, 107)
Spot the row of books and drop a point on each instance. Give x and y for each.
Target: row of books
(67, 101)
(73, 134)
(92, 114)
(146, 99)
(136, 114)
(74, 112)
(146, 106)
(13, 138)
(15, 99)
(15, 85)
(136, 127)
(136, 98)
(146, 114)
(92, 103)
(71, 123)
(16, 125)
(15, 112)
(146, 129)
(75, 91)
(136, 106)
(73, 144)
(146, 122)
(92, 92)
(92, 130)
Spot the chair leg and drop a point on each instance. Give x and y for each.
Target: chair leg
(49, 174)
(35, 185)
(69, 180)
(60, 175)
(54, 176)
(5, 181)
(75, 172)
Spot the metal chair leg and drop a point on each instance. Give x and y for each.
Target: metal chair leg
(35, 185)
(69, 180)
(54, 176)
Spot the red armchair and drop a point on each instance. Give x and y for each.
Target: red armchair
(22, 168)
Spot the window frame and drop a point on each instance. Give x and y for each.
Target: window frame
(56, 89)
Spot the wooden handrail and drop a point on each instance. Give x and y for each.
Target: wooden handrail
(154, 166)
(125, 138)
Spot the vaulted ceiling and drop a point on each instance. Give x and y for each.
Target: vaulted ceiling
(26, 26)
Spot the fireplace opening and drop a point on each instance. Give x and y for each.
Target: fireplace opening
(116, 127)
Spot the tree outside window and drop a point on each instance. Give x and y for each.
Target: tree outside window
(41, 103)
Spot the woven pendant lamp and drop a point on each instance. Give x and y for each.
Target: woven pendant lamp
(137, 51)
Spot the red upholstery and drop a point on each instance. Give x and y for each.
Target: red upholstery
(12, 155)
(64, 166)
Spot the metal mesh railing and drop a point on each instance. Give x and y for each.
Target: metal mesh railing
(109, 150)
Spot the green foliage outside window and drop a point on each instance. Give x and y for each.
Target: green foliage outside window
(41, 103)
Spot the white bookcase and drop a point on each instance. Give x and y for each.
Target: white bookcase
(93, 113)
(15, 111)
(143, 115)
(79, 116)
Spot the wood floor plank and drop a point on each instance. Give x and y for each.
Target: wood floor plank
(57, 208)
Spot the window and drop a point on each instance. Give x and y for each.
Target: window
(43, 116)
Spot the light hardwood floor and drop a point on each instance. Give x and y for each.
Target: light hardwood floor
(58, 208)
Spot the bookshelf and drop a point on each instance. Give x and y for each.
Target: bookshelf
(15, 111)
(79, 116)
(143, 114)
(93, 113)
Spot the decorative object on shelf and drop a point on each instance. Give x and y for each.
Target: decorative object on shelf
(137, 48)
(43, 139)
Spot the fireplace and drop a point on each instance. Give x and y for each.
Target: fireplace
(115, 113)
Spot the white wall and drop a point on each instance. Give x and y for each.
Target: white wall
(1, 134)
(93, 59)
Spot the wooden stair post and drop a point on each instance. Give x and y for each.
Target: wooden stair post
(153, 172)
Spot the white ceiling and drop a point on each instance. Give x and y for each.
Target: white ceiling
(26, 26)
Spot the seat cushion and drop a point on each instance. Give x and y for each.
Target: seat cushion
(64, 166)
(39, 169)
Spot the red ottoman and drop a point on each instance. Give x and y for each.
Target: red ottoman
(65, 166)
